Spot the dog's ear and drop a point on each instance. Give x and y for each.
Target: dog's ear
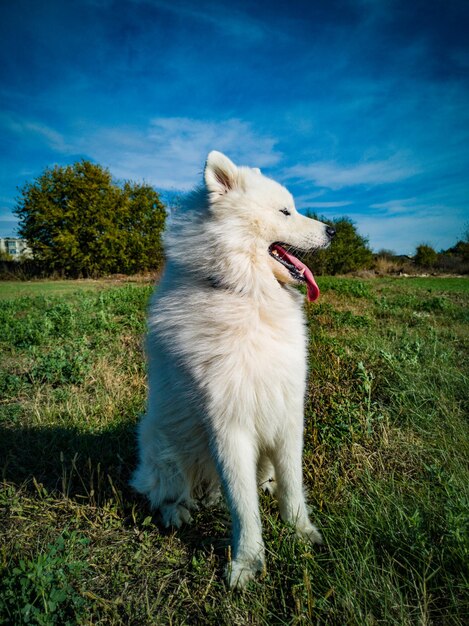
(220, 174)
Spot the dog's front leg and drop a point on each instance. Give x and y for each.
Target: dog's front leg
(287, 459)
(236, 458)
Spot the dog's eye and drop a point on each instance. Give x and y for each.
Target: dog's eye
(285, 211)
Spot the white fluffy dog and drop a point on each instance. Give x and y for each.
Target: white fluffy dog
(227, 359)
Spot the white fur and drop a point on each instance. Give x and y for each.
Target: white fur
(227, 362)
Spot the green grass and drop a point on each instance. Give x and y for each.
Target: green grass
(430, 283)
(17, 289)
(386, 449)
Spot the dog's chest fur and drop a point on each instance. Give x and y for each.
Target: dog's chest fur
(248, 359)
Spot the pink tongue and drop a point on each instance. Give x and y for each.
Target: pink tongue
(313, 289)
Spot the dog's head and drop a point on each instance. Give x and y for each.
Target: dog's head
(264, 212)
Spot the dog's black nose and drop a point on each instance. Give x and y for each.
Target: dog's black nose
(330, 231)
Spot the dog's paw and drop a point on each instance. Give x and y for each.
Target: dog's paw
(212, 497)
(239, 572)
(269, 486)
(309, 532)
(175, 515)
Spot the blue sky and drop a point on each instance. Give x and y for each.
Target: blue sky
(360, 107)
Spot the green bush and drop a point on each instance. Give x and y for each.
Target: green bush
(78, 222)
(425, 256)
(348, 251)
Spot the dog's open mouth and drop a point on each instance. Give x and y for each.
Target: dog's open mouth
(298, 270)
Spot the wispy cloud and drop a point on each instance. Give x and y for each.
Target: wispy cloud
(404, 233)
(335, 176)
(419, 208)
(230, 20)
(404, 224)
(185, 136)
(35, 130)
(397, 207)
(328, 205)
(169, 153)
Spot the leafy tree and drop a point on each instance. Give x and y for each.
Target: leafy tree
(425, 256)
(78, 222)
(456, 258)
(461, 248)
(348, 251)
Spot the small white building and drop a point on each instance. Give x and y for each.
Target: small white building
(15, 247)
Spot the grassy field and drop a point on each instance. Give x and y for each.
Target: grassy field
(386, 464)
(15, 288)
